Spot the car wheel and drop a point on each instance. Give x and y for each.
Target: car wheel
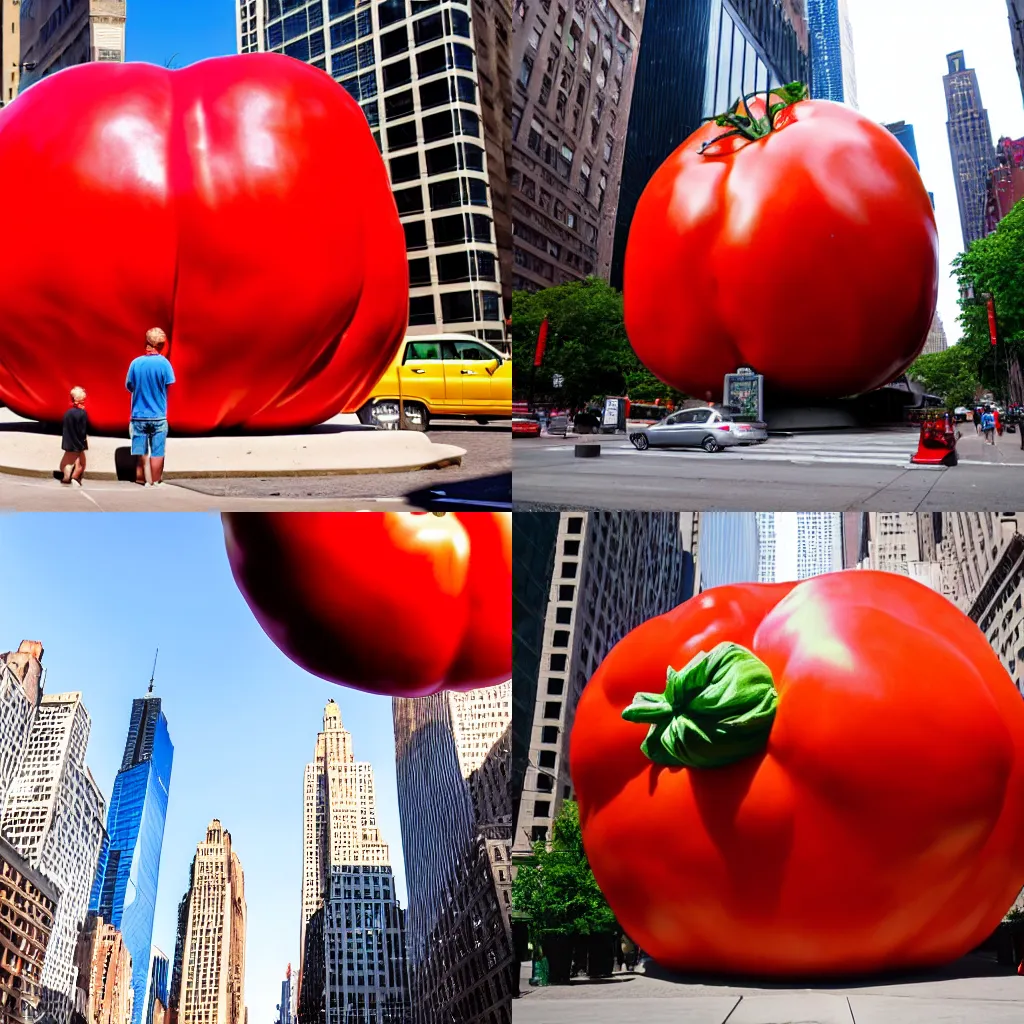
(640, 442)
(482, 422)
(415, 417)
(384, 413)
(710, 445)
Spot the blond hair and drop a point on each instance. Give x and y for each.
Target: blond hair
(155, 337)
(77, 394)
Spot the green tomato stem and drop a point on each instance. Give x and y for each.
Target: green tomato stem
(754, 128)
(717, 710)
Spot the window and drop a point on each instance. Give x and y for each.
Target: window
(431, 61)
(563, 616)
(575, 526)
(402, 136)
(453, 267)
(394, 43)
(569, 570)
(405, 168)
(435, 94)
(428, 29)
(398, 105)
(419, 270)
(553, 709)
(409, 200)
(462, 56)
(566, 592)
(299, 49)
(557, 662)
(442, 159)
(421, 310)
(542, 809)
(539, 834)
(460, 24)
(525, 71)
(388, 11)
(449, 230)
(422, 352)
(546, 758)
(295, 25)
(560, 638)
(415, 234)
(438, 126)
(556, 686)
(457, 307)
(399, 73)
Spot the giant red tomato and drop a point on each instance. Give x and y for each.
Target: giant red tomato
(241, 204)
(403, 603)
(809, 253)
(815, 778)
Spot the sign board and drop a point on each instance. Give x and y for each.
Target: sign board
(557, 381)
(745, 391)
(614, 417)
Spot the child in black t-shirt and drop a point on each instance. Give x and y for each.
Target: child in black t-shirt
(74, 441)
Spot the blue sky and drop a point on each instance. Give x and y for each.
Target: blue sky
(185, 30)
(101, 592)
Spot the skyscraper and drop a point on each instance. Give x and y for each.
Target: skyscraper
(54, 818)
(57, 34)
(432, 108)
(695, 59)
(1005, 183)
(970, 145)
(286, 1009)
(212, 954)
(21, 689)
(907, 543)
(905, 136)
(105, 993)
(612, 571)
(766, 547)
(574, 69)
(127, 875)
(798, 545)
(452, 755)
(1016, 12)
(833, 74)
(156, 993)
(729, 548)
(10, 49)
(358, 942)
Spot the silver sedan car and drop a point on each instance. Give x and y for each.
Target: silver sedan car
(710, 428)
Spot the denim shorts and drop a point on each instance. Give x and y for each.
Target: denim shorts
(148, 437)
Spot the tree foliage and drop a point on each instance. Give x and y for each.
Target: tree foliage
(995, 265)
(587, 346)
(558, 890)
(952, 375)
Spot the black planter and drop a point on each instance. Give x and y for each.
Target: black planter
(601, 955)
(558, 950)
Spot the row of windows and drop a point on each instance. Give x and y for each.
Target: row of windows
(438, 93)
(456, 307)
(435, 127)
(442, 160)
(455, 229)
(453, 268)
(443, 195)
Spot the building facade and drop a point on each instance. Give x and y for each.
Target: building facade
(287, 1011)
(1015, 9)
(729, 549)
(414, 70)
(57, 34)
(970, 145)
(574, 67)
(54, 818)
(156, 992)
(21, 689)
(105, 992)
(819, 539)
(10, 49)
(358, 948)
(611, 572)
(766, 547)
(695, 59)
(1005, 183)
(452, 758)
(833, 72)
(128, 873)
(28, 904)
(907, 543)
(212, 958)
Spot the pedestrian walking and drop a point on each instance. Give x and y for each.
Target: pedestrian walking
(630, 952)
(978, 413)
(149, 377)
(988, 426)
(74, 439)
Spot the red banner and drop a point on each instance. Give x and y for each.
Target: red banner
(542, 341)
(992, 320)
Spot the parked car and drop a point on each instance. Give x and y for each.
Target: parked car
(525, 424)
(441, 375)
(710, 428)
(960, 413)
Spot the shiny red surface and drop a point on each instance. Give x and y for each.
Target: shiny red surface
(810, 255)
(881, 828)
(240, 204)
(400, 603)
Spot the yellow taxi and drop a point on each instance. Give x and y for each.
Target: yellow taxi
(441, 375)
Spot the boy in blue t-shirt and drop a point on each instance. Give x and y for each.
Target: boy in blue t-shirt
(988, 425)
(149, 377)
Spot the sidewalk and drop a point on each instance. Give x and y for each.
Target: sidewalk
(972, 991)
(1005, 452)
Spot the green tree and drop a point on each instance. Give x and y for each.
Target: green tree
(995, 265)
(587, 346)
(952, 374)
(558, 890)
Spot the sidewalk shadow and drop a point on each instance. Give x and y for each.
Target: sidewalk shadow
(974, 965)
(481, 493)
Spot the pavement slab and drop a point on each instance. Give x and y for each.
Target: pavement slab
(337, 447)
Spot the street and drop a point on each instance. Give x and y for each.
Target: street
(838, 470)
(484, 473)
(971, 991)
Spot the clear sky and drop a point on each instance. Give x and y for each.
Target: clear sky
(901, 48)
(101, 593)
(179, 32)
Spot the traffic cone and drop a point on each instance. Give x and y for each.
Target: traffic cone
(936, 445)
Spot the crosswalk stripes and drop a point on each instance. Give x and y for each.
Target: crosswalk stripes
(851, 449)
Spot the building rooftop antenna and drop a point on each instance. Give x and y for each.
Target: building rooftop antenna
(152, 675)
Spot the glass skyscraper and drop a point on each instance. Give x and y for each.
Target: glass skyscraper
(729, 548)
(832, 72)
(124, 891)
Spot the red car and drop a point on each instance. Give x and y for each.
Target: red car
(525, 424)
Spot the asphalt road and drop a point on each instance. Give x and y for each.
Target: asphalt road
(485, 473)
(825, 472)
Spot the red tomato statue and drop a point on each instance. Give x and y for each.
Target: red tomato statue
(240, 204)
(804, 248)
(799, 779)
(400, 603)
